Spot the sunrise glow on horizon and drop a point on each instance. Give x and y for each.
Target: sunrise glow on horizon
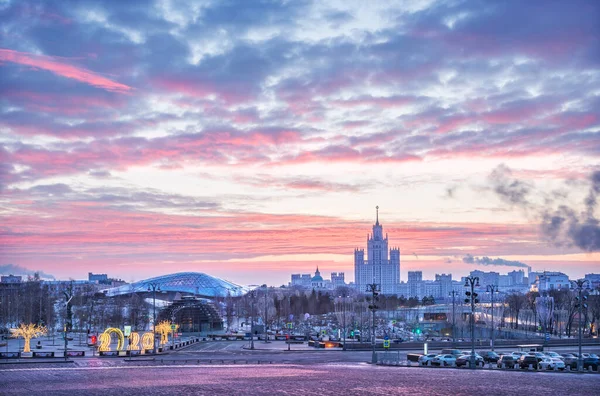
(252, 140)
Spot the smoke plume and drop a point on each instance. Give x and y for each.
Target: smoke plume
(510, 190)
(470, 259)
(567, 226)
(563, 225)
(11, 269)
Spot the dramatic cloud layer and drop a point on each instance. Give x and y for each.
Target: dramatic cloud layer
(144, 137)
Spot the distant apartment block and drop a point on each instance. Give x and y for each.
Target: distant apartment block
(11, 279)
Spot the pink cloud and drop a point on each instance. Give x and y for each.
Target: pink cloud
(59, 67)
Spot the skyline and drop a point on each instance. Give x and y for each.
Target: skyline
(252, 140)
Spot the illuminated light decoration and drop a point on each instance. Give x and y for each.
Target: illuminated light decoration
(164, 328)
(148, 340)
(105, 339)
(28, 331)
(104, 342)
(134, 342)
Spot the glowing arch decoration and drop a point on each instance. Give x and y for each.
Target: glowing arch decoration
(134, 342)
(148, 341)
(105, 339)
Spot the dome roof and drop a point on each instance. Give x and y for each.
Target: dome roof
(317, 278)
(195, 283)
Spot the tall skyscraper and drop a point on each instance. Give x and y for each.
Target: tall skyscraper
(377, 268)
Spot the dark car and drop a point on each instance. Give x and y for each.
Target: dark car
(455, 352)
(588, 363)
(569, 359)
(539, 355)
(526, 360)
(507, 361)
(464, 360)
(489, 356)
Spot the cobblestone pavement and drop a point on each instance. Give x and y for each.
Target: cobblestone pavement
(319, 379)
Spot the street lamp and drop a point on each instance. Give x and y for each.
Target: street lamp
(578, 286)
(374, 289)
(252, 295)
(473, 282)
(453, 293)
(154, 287)
(266, 314)
(492, 289)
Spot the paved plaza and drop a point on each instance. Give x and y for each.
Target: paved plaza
(285, 379)
(229, 367)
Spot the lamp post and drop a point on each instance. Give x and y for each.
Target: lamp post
(578, 286)
(252, 295)
(453, 293)
(492, 289)
(266, 313)
(374, 289)
(154, 287)
(68, 297)
(473, 282)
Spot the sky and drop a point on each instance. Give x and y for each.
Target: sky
(250, 140)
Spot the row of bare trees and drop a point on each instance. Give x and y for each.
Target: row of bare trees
(522, 312)
(27, 302)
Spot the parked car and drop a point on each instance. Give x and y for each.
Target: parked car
(507, 361)
(443, 360)
(424, 359)
(592, 363)
(553, 355)
(517, 355)
(454, 352)
(569, 359)
(489, 356)
(588, 363)
(549, 363)
(538, 355)
(526, 360)
(465, 360)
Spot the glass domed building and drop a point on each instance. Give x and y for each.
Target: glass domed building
(193, 300)
(193, 284)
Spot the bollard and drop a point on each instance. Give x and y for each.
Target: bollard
(503, 366)
(429, 363)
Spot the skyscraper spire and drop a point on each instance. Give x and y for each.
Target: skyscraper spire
(377, 220)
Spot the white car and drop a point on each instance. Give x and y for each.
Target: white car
(444, 360)
(553, 355)
(424, 359)
(551, 364)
